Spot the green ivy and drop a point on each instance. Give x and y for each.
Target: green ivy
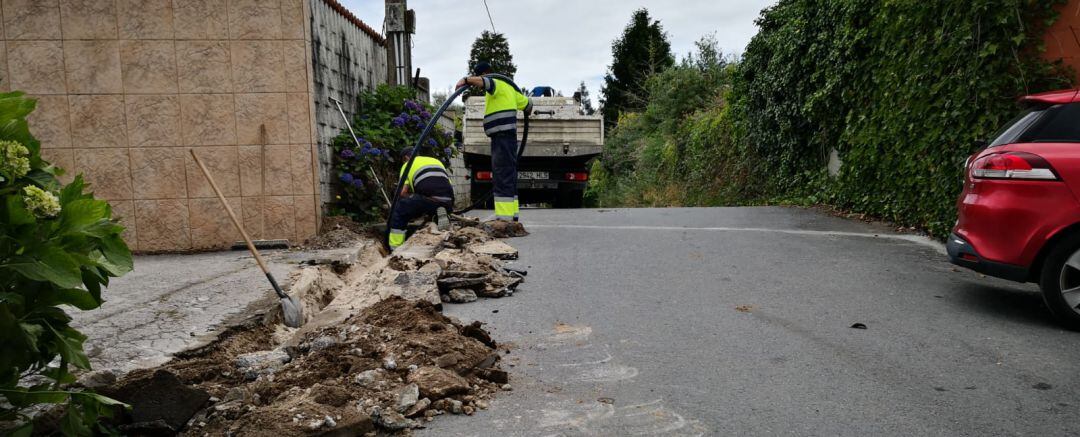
(58, 248)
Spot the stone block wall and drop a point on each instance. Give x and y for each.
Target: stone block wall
(126, 87)
(347, 57)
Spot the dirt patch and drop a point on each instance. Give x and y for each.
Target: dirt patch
(338, 232)
(504, 229)
(347, 379)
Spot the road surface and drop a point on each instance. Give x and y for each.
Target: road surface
(737, 321)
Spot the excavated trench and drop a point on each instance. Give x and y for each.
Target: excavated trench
(375, 356)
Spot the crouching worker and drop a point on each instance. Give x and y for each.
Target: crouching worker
(427, 191)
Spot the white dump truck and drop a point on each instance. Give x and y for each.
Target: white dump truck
(554, 170)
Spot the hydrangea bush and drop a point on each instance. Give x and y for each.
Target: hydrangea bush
(58, 248)
(389, 120)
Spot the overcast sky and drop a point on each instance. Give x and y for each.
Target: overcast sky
(558, 42)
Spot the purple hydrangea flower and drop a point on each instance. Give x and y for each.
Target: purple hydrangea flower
(347, 178)
(448, 151)
(358, 183)
(374, 152)
(414, 118)
(425, 115)
(398, 122)
(347, 154)
(431, 142)
(411, 105)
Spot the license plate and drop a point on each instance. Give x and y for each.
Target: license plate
(532, 175)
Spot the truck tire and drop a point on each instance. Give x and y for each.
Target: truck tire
(570, 199)
(1058, 275)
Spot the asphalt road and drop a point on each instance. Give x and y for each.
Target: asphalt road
(736, 321)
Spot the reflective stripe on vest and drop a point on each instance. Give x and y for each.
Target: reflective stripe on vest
(427, 164)
(502, 101)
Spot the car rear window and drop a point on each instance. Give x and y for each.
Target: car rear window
(1059, 124)
(1013, 129)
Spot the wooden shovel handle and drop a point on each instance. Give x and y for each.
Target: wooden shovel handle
(239, 227)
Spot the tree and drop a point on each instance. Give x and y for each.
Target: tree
(586, 102)
(643, 50)
(493, 48)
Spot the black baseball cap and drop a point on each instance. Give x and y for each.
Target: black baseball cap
(482, 67)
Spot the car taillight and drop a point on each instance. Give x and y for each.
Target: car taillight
(577, 176)
(1012, 165)
(483, 175)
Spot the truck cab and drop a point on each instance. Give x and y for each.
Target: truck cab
(554, 169)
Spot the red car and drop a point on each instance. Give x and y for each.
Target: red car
(1019, 214)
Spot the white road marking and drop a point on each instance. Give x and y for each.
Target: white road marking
(917, 239)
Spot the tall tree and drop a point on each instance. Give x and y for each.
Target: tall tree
(642, 51)
(493, 48)
(586, 101)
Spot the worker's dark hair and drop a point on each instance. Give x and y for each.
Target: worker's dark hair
(482, 68)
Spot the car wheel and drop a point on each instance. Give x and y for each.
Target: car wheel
(1060, 281)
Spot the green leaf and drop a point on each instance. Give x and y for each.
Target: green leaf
(104, 400)
(30, 334)
(72, 424)
(118, 256)
(70, 347)
(17, 214)
(43, 179)
(21, 397)
(81, 299)
(84, 216)
(51, 264)
(26, 430)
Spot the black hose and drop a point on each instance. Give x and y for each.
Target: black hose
(415, 151)
(420, 142)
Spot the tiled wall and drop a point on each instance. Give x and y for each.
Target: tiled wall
(126, 87)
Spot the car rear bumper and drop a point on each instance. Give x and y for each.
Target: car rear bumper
(963, 254)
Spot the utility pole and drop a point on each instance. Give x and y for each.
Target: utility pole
(400, 25)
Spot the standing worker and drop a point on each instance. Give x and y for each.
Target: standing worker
(427, 191)
(502, 101)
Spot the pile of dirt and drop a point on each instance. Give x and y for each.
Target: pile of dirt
(504, 229)
(389, 368)
(338, 232)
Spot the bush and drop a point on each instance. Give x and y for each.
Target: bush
(58, 247)
(389, 121)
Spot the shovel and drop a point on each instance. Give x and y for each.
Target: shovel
(289, 308)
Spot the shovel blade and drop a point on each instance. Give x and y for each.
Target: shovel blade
(290, 309)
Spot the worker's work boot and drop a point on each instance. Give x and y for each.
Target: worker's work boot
(442, 219)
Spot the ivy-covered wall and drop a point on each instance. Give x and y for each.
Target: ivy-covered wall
(900, 89)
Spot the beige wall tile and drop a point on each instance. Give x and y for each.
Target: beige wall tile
(258, 66)
(211, 227)
(251, 170)
(201, 19)
(279, 218)
(292, 19)
(88, 19)
(296, 56)
(149, 67)
(108, 171)
(204, 66)
(303, 174)
(278, 170)
(93, 67)
(124, 212)
(97, 121)
(37, 67)
(207, 119)
(222, 164)
(162, 224)
(153, 120)
(253, 216)
(32, 19)
(145, 19)
(159, 173)
(262, 119)
(50, 123)
(254, 19)
(62, 158)
(304, 210)
(299, 118)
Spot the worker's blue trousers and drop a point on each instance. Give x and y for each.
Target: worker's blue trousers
(504, 149)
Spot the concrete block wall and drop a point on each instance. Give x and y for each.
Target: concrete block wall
(347, 57)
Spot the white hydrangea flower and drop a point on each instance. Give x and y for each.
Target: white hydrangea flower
(16, 162)
(41, 203)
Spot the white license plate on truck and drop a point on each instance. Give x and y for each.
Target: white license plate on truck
(532, 175)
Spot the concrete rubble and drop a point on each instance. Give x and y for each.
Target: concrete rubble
(375, 353)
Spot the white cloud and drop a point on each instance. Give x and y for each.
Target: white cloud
(559, 42)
